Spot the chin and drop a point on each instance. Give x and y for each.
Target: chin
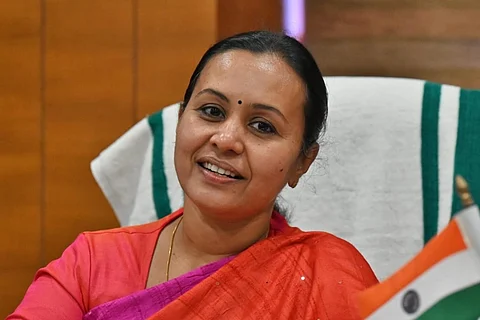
(217, 208)
(224, 209)
(227, 210)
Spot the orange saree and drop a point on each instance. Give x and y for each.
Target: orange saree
(290, 275)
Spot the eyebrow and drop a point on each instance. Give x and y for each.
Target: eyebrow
(215, 93)
(260, 106)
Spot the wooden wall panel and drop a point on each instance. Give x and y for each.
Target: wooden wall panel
(236, 16)
(172, 36)
(395, 4)
(432, 60)
(76, 75)
(88, 105)
(432, 40)
(440, 23)
(20, 153)
(13, 284)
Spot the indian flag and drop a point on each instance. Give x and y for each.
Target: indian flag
(441, 282)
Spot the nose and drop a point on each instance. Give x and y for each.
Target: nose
(228, 137)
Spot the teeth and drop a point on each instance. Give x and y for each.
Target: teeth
(218, 170)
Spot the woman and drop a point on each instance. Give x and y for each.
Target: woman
(252, 113)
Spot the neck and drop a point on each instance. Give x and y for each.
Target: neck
(204, 235)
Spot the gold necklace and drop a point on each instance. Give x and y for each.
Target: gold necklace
(170, 249)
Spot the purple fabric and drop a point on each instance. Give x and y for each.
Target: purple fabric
(143, 304)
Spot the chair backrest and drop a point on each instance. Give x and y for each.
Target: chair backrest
(383, 180)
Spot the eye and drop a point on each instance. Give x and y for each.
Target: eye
(263, 127)
(212, 112)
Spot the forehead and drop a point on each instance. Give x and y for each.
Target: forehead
(255, 78)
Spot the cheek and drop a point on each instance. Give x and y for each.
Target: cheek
(181, 138)
(187, 142)
(274, 163)
(188, 136)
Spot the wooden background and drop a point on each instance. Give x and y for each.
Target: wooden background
(76, 74)
(435, 40)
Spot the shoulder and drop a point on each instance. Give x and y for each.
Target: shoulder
(325, 251)
(338, 271)
(311, 241)
(319, 241)
(133, 245)
(139, 230)
(342, 257)
(107, 244)
(133, 242)
(327, 242)
(96, 248)
(117, 260)
(126, 245)
(131, 234)
(324, 243)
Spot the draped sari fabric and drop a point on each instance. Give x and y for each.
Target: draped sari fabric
(290, 275)
(286, 276)
(145, 303)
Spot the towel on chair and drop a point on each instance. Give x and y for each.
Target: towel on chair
(136, 173)
(383, 180)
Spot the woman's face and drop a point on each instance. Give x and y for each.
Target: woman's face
(239, 138)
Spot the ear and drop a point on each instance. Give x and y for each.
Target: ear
(304, 162)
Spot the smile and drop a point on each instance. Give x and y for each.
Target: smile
(219, 171)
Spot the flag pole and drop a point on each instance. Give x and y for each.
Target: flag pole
(463, 191)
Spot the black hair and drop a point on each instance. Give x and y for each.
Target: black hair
(297, 57)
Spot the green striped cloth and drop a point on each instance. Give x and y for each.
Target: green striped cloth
(466, 156)
(384, 180)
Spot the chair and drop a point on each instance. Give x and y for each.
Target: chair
(383, 180)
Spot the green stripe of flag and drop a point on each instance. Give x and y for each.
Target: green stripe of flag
(461, 305)
(159, 179)
(429, 158)
(467, 152)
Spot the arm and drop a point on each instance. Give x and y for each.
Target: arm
(60, 290)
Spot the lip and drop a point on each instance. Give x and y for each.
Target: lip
(221, 164)
(215, 178)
